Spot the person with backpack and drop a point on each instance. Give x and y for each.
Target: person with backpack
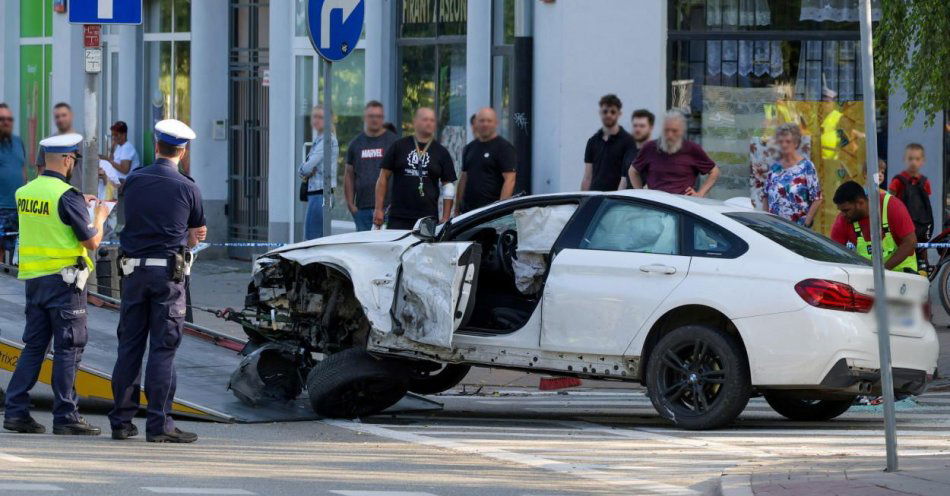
(913, 189)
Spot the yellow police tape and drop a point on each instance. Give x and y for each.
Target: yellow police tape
(95, 384)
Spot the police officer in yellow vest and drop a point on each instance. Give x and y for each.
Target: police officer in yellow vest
(852, 227)
(833, 137)
(55, 234)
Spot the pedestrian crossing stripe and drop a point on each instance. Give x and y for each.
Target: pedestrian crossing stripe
(92, 383)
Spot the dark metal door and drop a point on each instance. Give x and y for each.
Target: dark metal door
(248, 143)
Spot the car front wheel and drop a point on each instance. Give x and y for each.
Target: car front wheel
(353, 383)
(698, 377)
(443, 378)
(794, 408)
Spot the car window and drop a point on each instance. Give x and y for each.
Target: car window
(800, 240)
(623, 226)
(709, 240)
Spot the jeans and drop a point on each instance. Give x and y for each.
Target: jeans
(9, 222)
(363, 218)
(313, 228)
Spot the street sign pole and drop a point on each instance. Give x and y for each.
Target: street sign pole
(93, 68)
(880, 296)
(327, 145)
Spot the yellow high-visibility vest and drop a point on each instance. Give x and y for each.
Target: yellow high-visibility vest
(47, 245)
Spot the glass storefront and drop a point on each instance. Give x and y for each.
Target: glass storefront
(431, 44)
(348, 102)
(36, 72)
(503, 54)
(741, 68)
(167, 88)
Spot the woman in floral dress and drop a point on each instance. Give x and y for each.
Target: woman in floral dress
(791, 189)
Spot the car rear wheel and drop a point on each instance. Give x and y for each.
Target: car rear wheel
(698, 377)
(794, 408)
(353, 383)
(437, 380)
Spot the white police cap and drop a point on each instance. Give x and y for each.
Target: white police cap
(62, 143)
(174, 132)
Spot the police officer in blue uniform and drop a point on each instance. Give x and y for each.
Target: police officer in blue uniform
(55, 232)
(163, 219)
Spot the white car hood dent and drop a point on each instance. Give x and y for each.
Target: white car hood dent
(371, 266)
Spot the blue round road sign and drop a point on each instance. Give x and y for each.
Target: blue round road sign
(335, 26)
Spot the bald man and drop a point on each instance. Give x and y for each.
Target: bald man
(421, 171)
(489, 165)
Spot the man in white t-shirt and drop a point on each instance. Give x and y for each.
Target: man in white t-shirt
(124, 158)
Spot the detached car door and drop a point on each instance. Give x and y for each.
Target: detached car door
(601, 291)
(436, 285)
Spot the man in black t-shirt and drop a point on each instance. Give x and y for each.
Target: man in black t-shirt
(421, 170)
(363, 158)
(607, 150)
(488, 165)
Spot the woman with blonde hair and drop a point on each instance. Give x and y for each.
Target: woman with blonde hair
(792, 189)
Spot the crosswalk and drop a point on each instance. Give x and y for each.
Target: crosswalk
(617, 439)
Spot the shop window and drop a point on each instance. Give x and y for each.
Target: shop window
(503, 54)
(348, 101)
(740, 68)
(167, 88)
(431, 46)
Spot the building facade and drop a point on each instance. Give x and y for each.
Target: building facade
(244, 75)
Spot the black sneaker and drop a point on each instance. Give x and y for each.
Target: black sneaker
(24, 425)
(125, 431)
(176, 436)
(77, 428)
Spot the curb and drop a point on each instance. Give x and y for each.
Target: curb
(735, 485)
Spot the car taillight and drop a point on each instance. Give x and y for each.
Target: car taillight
(834, 296)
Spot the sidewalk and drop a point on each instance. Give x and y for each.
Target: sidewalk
(923, 476)
(851, 476)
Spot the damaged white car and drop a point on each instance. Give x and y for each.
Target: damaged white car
(703, 302)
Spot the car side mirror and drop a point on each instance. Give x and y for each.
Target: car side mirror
(426, 228)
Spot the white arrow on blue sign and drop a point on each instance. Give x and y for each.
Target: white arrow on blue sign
(335, 26)
(105, 11)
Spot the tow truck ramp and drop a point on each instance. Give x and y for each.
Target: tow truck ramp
(204, 369)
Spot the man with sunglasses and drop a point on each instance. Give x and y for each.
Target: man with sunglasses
(12, 176)
(608, 151)
(55, 234)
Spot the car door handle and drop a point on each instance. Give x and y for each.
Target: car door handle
(658, 269)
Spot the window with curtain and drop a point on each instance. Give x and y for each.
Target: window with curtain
(431, 44)
(740, 68)
(167, 85)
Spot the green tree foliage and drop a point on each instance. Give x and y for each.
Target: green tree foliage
(912, 49)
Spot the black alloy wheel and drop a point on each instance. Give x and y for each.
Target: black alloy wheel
(698, 377)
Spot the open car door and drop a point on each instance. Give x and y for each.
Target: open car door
(436, 288)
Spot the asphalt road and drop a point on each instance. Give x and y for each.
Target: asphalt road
(514, 442)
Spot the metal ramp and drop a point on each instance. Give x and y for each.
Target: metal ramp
(203, 367)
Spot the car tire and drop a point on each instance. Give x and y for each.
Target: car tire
(794, 408)
(698, 377)
(438, 381)
(353, 383)
(943, 285)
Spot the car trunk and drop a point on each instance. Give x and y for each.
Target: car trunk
(906, 296)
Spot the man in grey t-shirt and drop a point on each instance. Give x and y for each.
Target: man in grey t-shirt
(363, 157)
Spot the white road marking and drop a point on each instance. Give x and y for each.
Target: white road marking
(13, 458)
(512, 457)
(13, 486)
(380, 493)
(196, 490)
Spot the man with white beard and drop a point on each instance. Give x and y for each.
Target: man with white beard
(671, 163)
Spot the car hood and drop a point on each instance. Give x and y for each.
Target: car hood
(374, 236)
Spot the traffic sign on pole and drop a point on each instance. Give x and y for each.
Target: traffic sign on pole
(105, 11)
(335, 27)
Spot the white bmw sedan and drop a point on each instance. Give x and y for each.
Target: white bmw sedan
(703, 302)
